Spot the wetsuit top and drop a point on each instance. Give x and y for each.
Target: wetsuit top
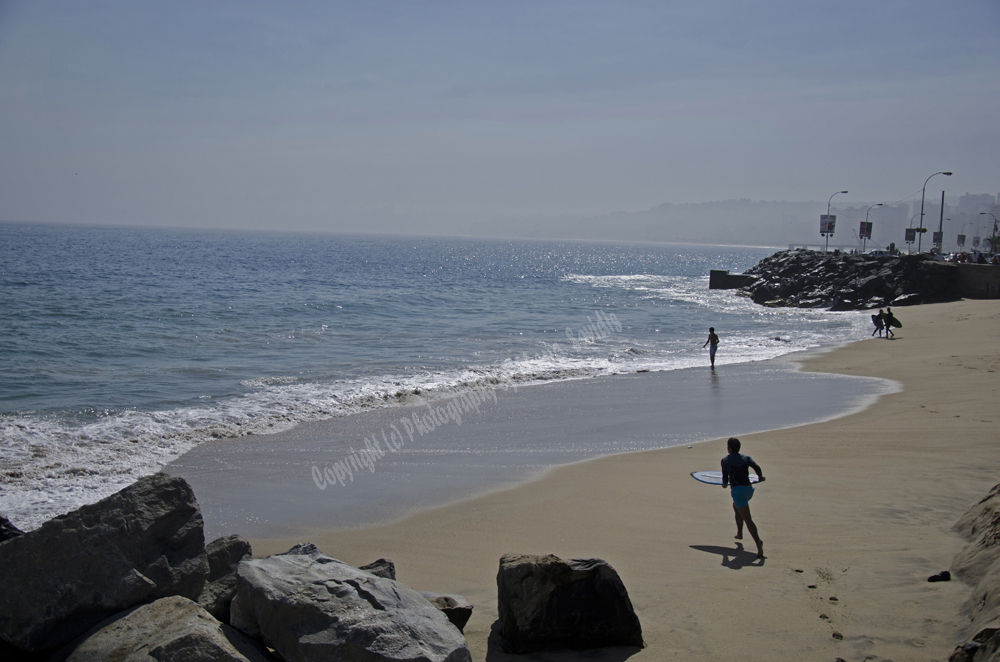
(736, 469)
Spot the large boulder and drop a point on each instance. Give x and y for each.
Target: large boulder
(224, 555)
(168, 630)
(137, 545)
(981, 525)
(309, 607)
(546, 602)
(979, 564)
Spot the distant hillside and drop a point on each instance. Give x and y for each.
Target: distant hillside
(726, 222)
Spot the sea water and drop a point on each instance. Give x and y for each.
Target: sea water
(121, 349)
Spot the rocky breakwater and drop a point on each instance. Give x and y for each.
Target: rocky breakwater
(841, 281)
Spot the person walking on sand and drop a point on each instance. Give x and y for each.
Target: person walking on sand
(736, 472)
(888, 321)
(879, 322)
(714, 340)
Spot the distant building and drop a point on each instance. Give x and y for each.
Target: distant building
(976, 203)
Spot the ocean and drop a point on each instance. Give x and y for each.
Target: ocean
(121, 349)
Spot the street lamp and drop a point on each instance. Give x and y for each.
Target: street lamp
(946, 174)
(993, 240)
(827, 234)
(866, 233)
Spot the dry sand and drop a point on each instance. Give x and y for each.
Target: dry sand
(856, 513)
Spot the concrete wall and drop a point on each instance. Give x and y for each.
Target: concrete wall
(719, 279)
(979, 281)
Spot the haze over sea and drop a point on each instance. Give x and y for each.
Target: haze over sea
(121, 349)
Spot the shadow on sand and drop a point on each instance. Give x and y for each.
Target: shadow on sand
(734, 558)
(495, 653)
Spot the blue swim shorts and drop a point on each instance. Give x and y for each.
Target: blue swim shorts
(741, 495)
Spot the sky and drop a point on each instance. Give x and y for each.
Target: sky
(428, 117)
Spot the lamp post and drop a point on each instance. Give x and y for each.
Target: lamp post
(946, 174)
(993, 239)
(864, 240)
(827, 234)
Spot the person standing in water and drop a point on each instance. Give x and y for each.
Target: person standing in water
(714, 340)
(736, 472)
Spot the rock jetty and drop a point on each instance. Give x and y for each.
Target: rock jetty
(841, 281)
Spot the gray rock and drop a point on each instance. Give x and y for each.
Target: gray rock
(381, 568)
(455, 607)
(545, 602)
(139, 544)
(224, 554)
(981, 525)
(309, 607)
(8, 530)
(984, 647)
(172, 629)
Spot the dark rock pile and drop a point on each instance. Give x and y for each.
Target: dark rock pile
(840, 281)
(130, 578)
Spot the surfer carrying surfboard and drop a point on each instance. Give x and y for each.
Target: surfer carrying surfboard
(890, 322)
(736, 471)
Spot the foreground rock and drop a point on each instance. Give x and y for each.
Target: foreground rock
(168, 630)
(8, 530)
(224, 555)
(981, 525)
(455, 607)
(979, 564)
(546, 603)
(381, 568)
(140, 544)
(811, 279)
(308, 606)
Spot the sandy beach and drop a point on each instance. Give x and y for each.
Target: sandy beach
(856, 513)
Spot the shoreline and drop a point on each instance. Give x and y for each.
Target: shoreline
(384, 466)
(862, 505)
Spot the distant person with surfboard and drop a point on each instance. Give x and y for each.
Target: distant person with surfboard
(890, 321)
(879, 322)
(714, 340)
(736, 471)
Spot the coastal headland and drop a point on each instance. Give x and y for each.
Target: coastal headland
(856, 514)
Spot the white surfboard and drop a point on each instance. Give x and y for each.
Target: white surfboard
(715, 477)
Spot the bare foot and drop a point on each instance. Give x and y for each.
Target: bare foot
(760, 549)
(739, 536)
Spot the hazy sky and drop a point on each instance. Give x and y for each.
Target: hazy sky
(435, 115)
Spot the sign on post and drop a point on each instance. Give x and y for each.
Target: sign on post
(961, 240)
(866, 230)
(827, 223)
(911, 235)
(937, 238)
